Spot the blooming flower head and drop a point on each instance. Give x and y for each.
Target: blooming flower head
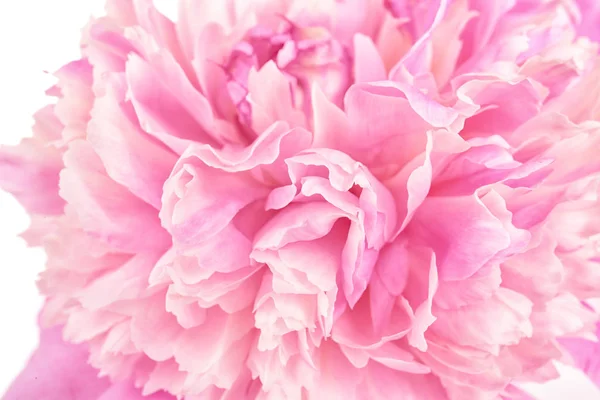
(307, 200)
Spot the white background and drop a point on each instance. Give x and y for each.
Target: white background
(35, 36)
(38, 36)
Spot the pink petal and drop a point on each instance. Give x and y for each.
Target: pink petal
(484, 165)
(497, 114)
(169, 107)
(420, 291)
(411, 185)
(373, 111)
(199, 201)
(355, 329)
(463, 248)
(384, 383)
(268, 153)
(126, 391)
(480, 30)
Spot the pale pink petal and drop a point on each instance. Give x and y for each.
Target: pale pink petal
(30, 172)
(515, 393)
(162, 29)
(270, 98)
(411, 185)
(476, 288)
(338, 377)
(127, 282)
(329, 122)
(209, 348)
(564, 315)
(121, 11)
(151, 317)
(542, 281)
(580, 144)
(231, 292)
(503, 320)
(75, 98)
(368, 66)
(448, 38)
(392, 41)
(426, 17)
(580, 101)
(103, 205)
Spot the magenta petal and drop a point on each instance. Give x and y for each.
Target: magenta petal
(585, 354)
(590, 12)
(58, 371)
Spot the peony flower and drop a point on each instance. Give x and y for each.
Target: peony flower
(317, 200)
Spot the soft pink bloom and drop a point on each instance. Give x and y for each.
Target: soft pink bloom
(319, 199)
